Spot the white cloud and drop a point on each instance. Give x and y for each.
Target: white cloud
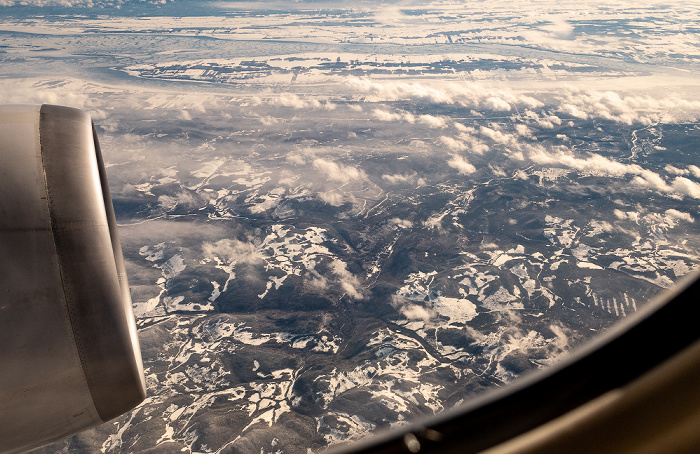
(597, 227)
(316, 282)
(400, 178)
(475, 145)
(463, 166)
(521, 175)
(468, 94)
(333, 198)
(687, 187)
(691, 170)
(496, 103)
(267, 120)
(65, 3)
(452, 144)
(337, 172)
(296, 158)
(600, 165)
(560, 29)
(629, 215)
(529, 102)
(592, 163)
(679, 215)
(232, 251)
(415, 312)
(498, 136)
(675, 170)
(401, 223)
(523, 130)
(294, 101)
(620, 214)
(462, 128)
(395, 91)
(432, 121)
(546, 121)
(411, 310)
(627, 109)
(349, 283)
(383, 115)
(498, 171)
(68, 92)
(182, 198)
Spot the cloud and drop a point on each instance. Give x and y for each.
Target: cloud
(627, 109)
(432, 121)
(679, 215)
(523, 130)
(160, 230)
(65, 3)
(547, 121)
(267, 120)
(295, 158)
(691, 170)
(401, 179)
(337, 172)
(473, 144)
(76, 3)
(452, 144)
(462, 128)
(462, 165)
(468, 94)
(395, 91)
(188, 102)
(497, 171)
(496, 103)
(411, 310)
(67, 92)
(401, 223)
(333, 198)
(498, 136)
(232, 251)
(383, 115)
(687, 187)
(600, 165)
(294, 101)
(316, 282)
(560, 29)
(349, 283)
(465, 141)
(415, 312)
(629, 215)
(182, 198)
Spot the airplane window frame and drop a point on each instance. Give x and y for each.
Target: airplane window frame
(615, 358)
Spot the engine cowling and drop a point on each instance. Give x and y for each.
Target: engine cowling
(69, 351)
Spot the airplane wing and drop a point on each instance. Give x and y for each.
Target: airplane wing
(69, 355)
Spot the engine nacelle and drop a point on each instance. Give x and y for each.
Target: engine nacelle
(69, 352)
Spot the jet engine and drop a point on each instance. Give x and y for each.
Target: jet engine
(69, 352)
